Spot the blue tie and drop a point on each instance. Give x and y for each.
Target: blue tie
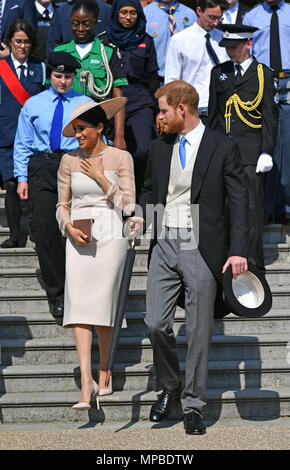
(210, 50)
(182, 152)
(56, 125)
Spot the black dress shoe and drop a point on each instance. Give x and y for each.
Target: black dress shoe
(10, 243)
(163, 404)
(193, 423)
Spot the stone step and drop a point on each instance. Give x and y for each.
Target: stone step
(132, 405)
(24, 242)
(43, 325)
(26, 257)
(138, 349)
(276, 253)
(29, 278)
(58, 377)
(35, 301)
(276, 233)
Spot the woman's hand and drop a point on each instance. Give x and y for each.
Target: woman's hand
(77, 235)
(133, 227)
(94, 170)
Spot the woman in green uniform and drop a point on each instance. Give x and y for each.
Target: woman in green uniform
(101, 75)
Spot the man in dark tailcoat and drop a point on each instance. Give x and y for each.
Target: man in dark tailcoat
(243, 105)
(190, 172)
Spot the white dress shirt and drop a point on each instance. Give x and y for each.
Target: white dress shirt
(230, 15)
(244, 65)
(191, 139)
(187, 59)
(17, 64)
(41, 9)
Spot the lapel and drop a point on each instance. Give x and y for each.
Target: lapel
(175, 168)
(248, 75)
(206, 149)
(32, 71)
(231, 73)
(11, 64)
(181, 179)
(163, 158)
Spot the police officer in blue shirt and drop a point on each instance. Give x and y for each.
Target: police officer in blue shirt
(165, 18)
(38, 149)
(271, 47)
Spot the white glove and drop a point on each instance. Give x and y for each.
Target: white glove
(264, 163)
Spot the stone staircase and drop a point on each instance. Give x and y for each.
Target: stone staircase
(249, 364)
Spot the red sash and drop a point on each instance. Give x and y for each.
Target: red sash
(12, 82)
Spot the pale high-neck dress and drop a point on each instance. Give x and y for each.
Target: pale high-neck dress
(93, 271)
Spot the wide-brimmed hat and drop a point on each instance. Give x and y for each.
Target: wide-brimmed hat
(110, 107)
(248, 295)
(234, 34)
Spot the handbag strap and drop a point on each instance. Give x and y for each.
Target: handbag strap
(12, 82)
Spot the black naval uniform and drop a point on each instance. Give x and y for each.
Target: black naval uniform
(252, 141)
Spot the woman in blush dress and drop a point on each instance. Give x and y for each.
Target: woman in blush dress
(96, 187)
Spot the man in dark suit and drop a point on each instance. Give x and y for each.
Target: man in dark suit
(12, 10)
(253, 126)
(45, 12)
(191, 170)
(60, 29)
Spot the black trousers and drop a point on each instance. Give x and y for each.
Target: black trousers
(49, 242)
(255, 184)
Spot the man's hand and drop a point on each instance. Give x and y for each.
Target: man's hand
(133, 227)
(239, 265)
(22, 190)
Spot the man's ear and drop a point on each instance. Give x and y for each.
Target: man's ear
(181, 108)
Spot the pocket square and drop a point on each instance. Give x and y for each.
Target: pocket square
(14, 6)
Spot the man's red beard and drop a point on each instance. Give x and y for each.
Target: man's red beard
(174, 126)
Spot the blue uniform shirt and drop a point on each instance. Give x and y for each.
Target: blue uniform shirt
(34, 126)
(260, 17)
(157, 26)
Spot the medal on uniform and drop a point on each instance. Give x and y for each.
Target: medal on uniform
(223, 77)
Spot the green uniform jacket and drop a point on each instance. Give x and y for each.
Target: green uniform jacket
(94, 63)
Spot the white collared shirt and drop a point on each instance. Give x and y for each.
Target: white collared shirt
(41, 9)
(191, 139)
(17, 64)
(187, 59)
(230, 15)
(244, 65)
